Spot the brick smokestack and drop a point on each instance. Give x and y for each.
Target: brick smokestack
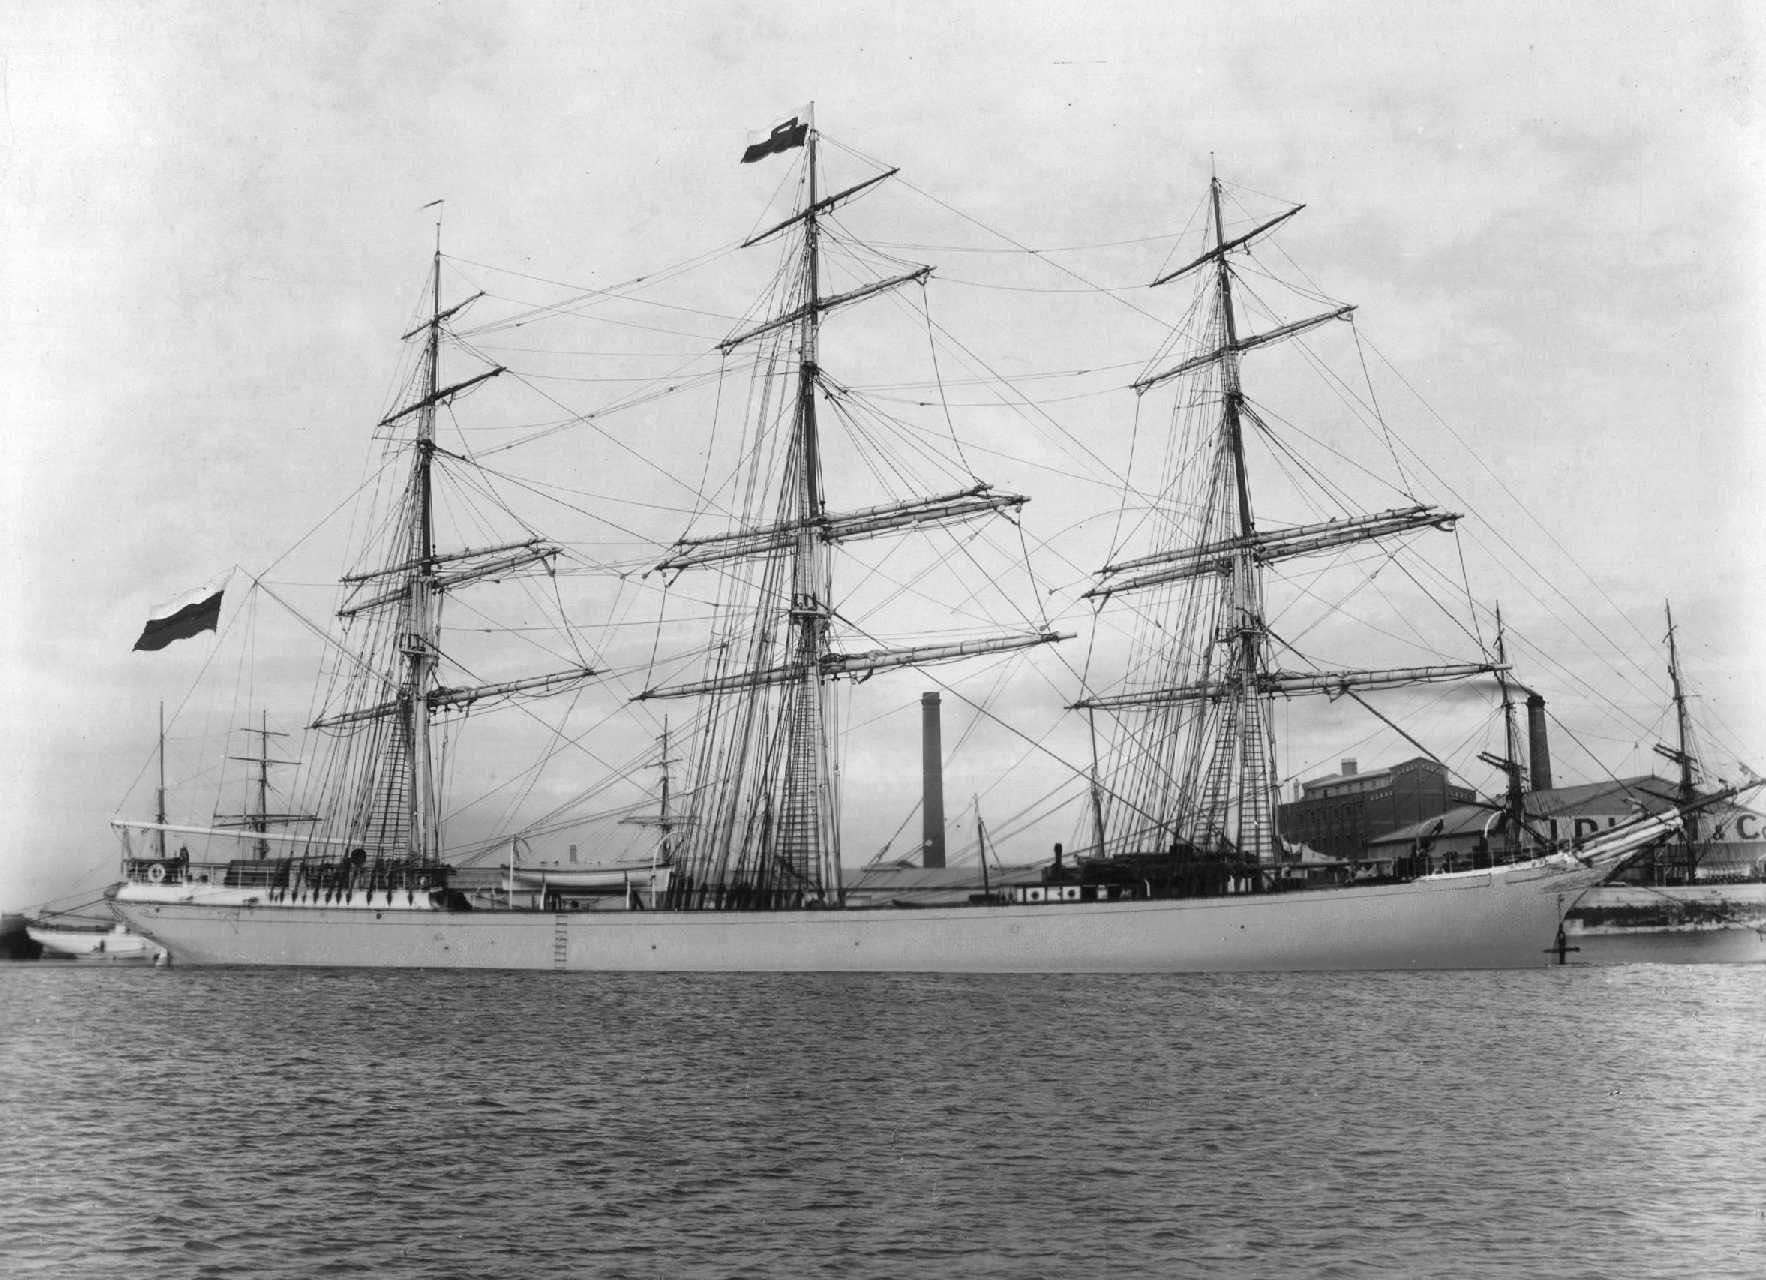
(932, 793)
(1538, 746)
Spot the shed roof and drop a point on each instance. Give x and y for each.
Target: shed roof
(1614, 796)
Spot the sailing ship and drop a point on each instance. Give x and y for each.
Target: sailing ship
(1659, 911)
(1184, 875)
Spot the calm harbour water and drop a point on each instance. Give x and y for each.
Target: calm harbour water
(195, 1123)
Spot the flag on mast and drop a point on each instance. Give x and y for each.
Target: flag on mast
(782, 137)
(187, 615)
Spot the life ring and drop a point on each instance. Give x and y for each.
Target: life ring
(156, 873)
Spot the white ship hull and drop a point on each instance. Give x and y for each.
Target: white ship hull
(1503, 918)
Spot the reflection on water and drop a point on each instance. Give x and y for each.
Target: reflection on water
(290, 1124)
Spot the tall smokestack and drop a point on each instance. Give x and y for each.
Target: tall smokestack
(1538, 747)
(932, 795)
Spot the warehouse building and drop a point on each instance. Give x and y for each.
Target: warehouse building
(1339, 815)
(1731, 845)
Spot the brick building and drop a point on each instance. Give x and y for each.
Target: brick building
(1340, 814)
(1732, 839)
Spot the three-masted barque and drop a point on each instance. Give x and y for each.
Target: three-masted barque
(1184, 875)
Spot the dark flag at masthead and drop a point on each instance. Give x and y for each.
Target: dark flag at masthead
(783, 137)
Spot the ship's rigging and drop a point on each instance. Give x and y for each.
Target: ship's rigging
(1194, 759)
(767, 829)
(383, 781)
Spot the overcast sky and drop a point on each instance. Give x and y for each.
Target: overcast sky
(1549, 214)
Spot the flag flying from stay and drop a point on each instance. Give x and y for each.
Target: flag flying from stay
(783, 137)
(189, 614)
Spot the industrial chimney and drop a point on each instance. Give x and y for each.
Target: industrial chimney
(1538, 748)
(932, 772)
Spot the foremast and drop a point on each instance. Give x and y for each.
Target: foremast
(769, 836)
(1198, 737)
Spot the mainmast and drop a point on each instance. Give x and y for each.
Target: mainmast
(771, 833)
(808, 826)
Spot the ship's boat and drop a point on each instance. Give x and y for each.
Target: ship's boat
(71, 937)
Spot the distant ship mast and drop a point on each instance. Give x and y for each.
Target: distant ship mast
(1681, 754)
(261, 819)
(665, 819)
(159, 811)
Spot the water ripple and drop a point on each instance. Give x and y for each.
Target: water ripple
(330, 1123)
